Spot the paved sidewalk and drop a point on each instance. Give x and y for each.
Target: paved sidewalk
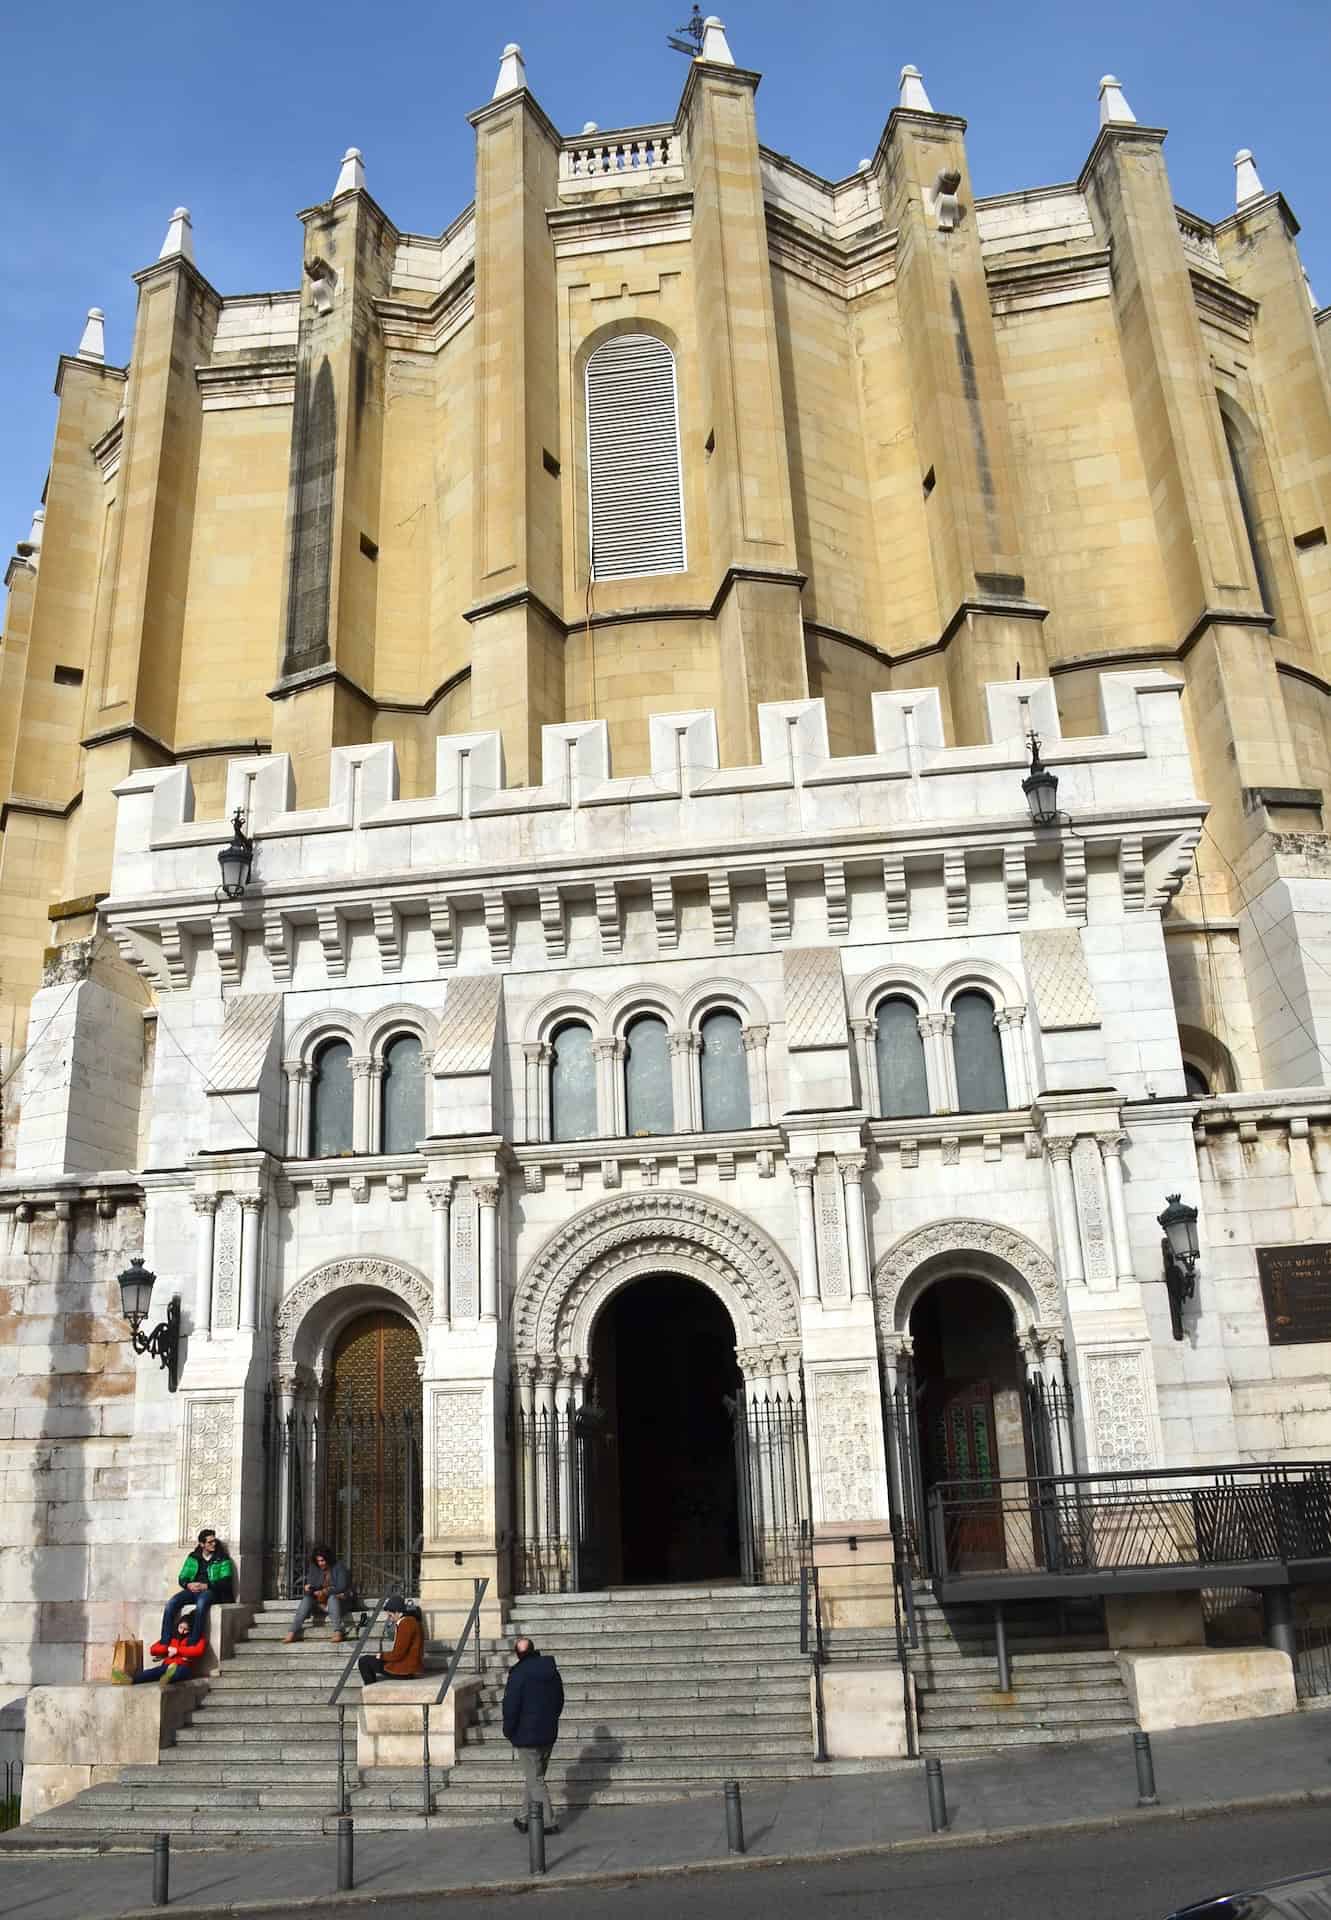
(1247, 1764)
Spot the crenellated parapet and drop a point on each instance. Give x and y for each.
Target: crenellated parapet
(935, 832)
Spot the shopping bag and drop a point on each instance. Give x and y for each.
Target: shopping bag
(128, 1657)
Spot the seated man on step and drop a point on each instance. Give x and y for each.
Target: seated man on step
(406, 1657)
(327, 1588)
(207, 1576)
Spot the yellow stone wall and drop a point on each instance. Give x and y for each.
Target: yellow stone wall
(914, 454)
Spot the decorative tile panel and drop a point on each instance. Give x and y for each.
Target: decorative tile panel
(1059, 979)
(815, 998)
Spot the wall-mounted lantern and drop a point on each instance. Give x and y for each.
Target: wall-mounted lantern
(1040, 788)
(1180, 1248)
(236, 859)
(163, 1343)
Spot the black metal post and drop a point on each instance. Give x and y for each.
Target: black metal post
(933, 1775)
(1000, 1648)
(346, 1853)
(426, 1808)
(1278, 1620)
(478, 1588)
(734, 1818)
(161, 1869)
(1141, 1753)
(535, 1836)
(342, 1803)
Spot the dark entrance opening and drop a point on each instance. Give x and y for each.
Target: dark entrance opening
(970, 1407)
(663, 1360)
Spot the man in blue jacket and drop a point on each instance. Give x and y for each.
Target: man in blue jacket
(533, 1702)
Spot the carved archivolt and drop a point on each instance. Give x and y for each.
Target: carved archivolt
(616, 1241)
(1023, 1272)
(389, 1276)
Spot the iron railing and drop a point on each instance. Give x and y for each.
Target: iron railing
(1114, 1524)
(1312, 1659)
(563, 1485)
(12, 1795)
(352, 1481)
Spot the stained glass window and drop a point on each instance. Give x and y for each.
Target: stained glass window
(572, 1085)
(649, 1103)
(903, 1086)
(725, 1073)
(978, 1052)
(403, 1108)
(330, 1101)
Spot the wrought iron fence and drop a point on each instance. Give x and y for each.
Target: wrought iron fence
(350, 1481)
(1116, 1523)
(1312, 1659)
(563, 1493)
(12, 1796)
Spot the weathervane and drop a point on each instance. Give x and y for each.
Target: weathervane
(688, 38)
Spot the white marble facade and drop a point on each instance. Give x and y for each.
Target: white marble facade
(796, 894)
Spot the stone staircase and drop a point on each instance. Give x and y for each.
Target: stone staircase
(1066, 1684)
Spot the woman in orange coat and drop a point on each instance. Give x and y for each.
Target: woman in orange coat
(406, 1657)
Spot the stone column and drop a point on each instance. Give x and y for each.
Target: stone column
(205, 1206)
(754, 1042)
(1065, 1212)
(1111, 1153)
(537, 1057)
(865, 1034)
(440, 1195)
(801, 1173)
(857, 1226)
(940, 1067)
(251, 1236)
(487, 1199)
(683, 1079)
(547, 1456)
(362, 1074)
(298, 1112)
(1009, 1022)
(610, 1119)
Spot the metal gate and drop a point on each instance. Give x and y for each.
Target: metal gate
(562, 1522)
(351, 1482)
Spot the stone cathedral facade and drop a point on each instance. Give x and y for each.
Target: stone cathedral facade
(655, 1045)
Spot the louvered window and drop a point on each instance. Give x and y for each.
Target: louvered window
(637, 507)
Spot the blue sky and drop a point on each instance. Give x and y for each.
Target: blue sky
(115, 113)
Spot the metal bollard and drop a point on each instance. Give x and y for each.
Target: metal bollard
(933, 1775)
(161, 1869)
(535, 1836)
(1000, 1648)
(346, 1853)
(734, 1818)
(1141, 1753)
(426, 1807)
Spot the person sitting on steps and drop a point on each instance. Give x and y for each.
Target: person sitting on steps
(207, 1576)
(327, 1588)
(406, 1657)
(175, 1656)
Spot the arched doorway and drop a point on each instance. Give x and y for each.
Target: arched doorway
(666, 1382)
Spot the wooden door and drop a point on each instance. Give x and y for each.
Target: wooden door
(966, 1451)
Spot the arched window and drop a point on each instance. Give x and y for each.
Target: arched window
(903, 1086)
(978, 1053)
(1195, 1082)
(633, 477)
(648, 1103)
(724, 1073)
(330, 1101)
(572, 1084)
(402, 1109)
(1241, 467)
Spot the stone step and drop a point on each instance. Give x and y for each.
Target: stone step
(205, 1798)
(177, 1769)
(687, 1647)
(228, 1745)
(630, 1746)
(963, 1687)
(705, 1678)
(679, 1622)
(1078, 1712)
(730, 1591)
(952, 1661)
(280, 1699)
(982, 1740)
(736, 1762)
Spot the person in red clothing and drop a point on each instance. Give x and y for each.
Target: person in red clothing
(175, 1656)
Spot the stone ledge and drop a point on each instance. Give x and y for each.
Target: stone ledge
(81, 1737)
(389, 1731)
(1201, 1686)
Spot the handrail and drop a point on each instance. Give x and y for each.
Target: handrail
(473, 1620)
(900, 1589)
(355, 1654)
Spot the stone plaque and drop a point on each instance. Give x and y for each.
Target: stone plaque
(1296, 1290)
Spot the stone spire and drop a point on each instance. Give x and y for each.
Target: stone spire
(1247, 186)
(351, 178)
(93, 344)
(1114, 109)
(715, 46)
(913, 96)
(512, 71)
(179, 237)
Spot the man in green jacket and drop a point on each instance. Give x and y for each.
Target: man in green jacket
(207, 1575)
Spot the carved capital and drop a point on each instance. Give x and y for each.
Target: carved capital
(487, 1192)
(1014, 1017)
(802, 1172)
(684, 1042)
(1112, 1145)
(852, 1167)
(535, 1052)
(753, 1039)
(1059, 1149)
(204, 1203)
(251, 1202)
(608, 1049)
(362, 1066)
(439, 1193)
(864, 1029)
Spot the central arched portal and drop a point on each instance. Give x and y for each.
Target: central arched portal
(667, 1384)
